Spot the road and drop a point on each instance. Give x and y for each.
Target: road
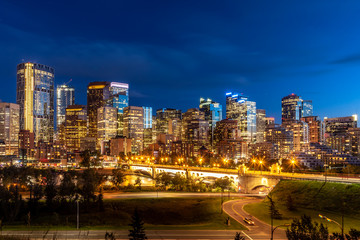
(114, 195)
(260, 230)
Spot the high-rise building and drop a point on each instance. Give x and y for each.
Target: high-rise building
(300, 134)
(239, 108)
(106, 126)
(260, 124)
(147, 117)
(213, 114)
(168, 121)
(26, 145)
(119, 98)
(75, 126)
(134, 127)
(9, 128)
(195, 130)
(35, 95)
(282, 138)
(98, 94)
(316, 129)
(65, 96)
(307, 108)
(293, 107)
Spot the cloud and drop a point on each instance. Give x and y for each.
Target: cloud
(349, 59)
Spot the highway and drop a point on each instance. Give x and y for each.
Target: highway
(259, 230)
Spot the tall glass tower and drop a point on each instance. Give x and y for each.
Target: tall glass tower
(119, 99)
(213, 114)
(239, 108)
(65, 96)
(35, 95)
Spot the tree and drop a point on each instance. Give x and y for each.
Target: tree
(163, 179)
(178, 182)
(274, 212)
(138, 231)
(290, 203)
(118, 177)
(238, 236)
(67, 187)
(50, 188)
(138, 182)
(223, 183)
(305, 229)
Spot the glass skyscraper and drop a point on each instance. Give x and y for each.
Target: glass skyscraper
(213, 114)
(35, 95)
(147, 117)
(293, 108)
(239, 108)
(65, 96)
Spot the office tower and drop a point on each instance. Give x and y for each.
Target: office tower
(300, 134)
(134, 127)
(213, 114)
(279, 136)
(75, 126)
(336, 132)
(106, 125)
(307, 108)
(316, 129)
(148, 137)
(194, 131)
(120, 145)
(98, 95)
(26, 145)
(147, 117)
(65, 96)
(35, 95)
(227, 140)
(260, 124)
(239, 108)
(119, 98)
(269, 121)
(168, 121)
(9, 128)
(291, 107)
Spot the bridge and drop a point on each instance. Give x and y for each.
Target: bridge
(247, 182)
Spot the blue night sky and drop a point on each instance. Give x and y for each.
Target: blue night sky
(174, 52)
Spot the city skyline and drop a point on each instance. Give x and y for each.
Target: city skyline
(204, 50)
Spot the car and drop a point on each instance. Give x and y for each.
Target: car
(249, 221)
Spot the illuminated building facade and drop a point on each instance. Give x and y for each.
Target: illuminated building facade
(260, 125)
(106, 126)
(316, 129)
(98, 94)
(279, 136)
(168, 121)
(134, 127)
(65, 96)
(26, 145)
(239, 108)
(213, 114)
(9, 128)
(307, 108)
(35, 95)
(147, 117)
(119, 99)
(291, 106)
(75, 126)
(300, 134)
(195, 130)
(120, 146)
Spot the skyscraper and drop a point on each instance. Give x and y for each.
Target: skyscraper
(75, 126)
(260, 125)
(213, 114)
(35, 95)
(98, 94)
(147, 117)
(107, 126)
(65, 96)
(9, 128)
(168, 121)
(307, 108)
(134, 127)
(239, 108)
(119, 98)
(291, 107)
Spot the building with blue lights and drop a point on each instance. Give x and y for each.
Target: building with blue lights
(213, 114)
(239, 108)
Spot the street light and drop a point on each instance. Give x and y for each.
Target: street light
(261, 162)
(330, 220)
(273, 229)
(292, 165)
(200, 160)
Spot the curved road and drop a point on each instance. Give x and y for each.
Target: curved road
(260, 230)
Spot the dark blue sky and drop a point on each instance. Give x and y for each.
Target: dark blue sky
(174, 52)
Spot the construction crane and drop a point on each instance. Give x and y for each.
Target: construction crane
(68, 82)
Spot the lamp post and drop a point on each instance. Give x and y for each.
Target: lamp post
(77, 214)
(200, 161)
(292, 165)
(330, 220)
(273, 229)
(261, 162)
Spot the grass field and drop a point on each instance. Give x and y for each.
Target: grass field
(162, 213)
(313, 198)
